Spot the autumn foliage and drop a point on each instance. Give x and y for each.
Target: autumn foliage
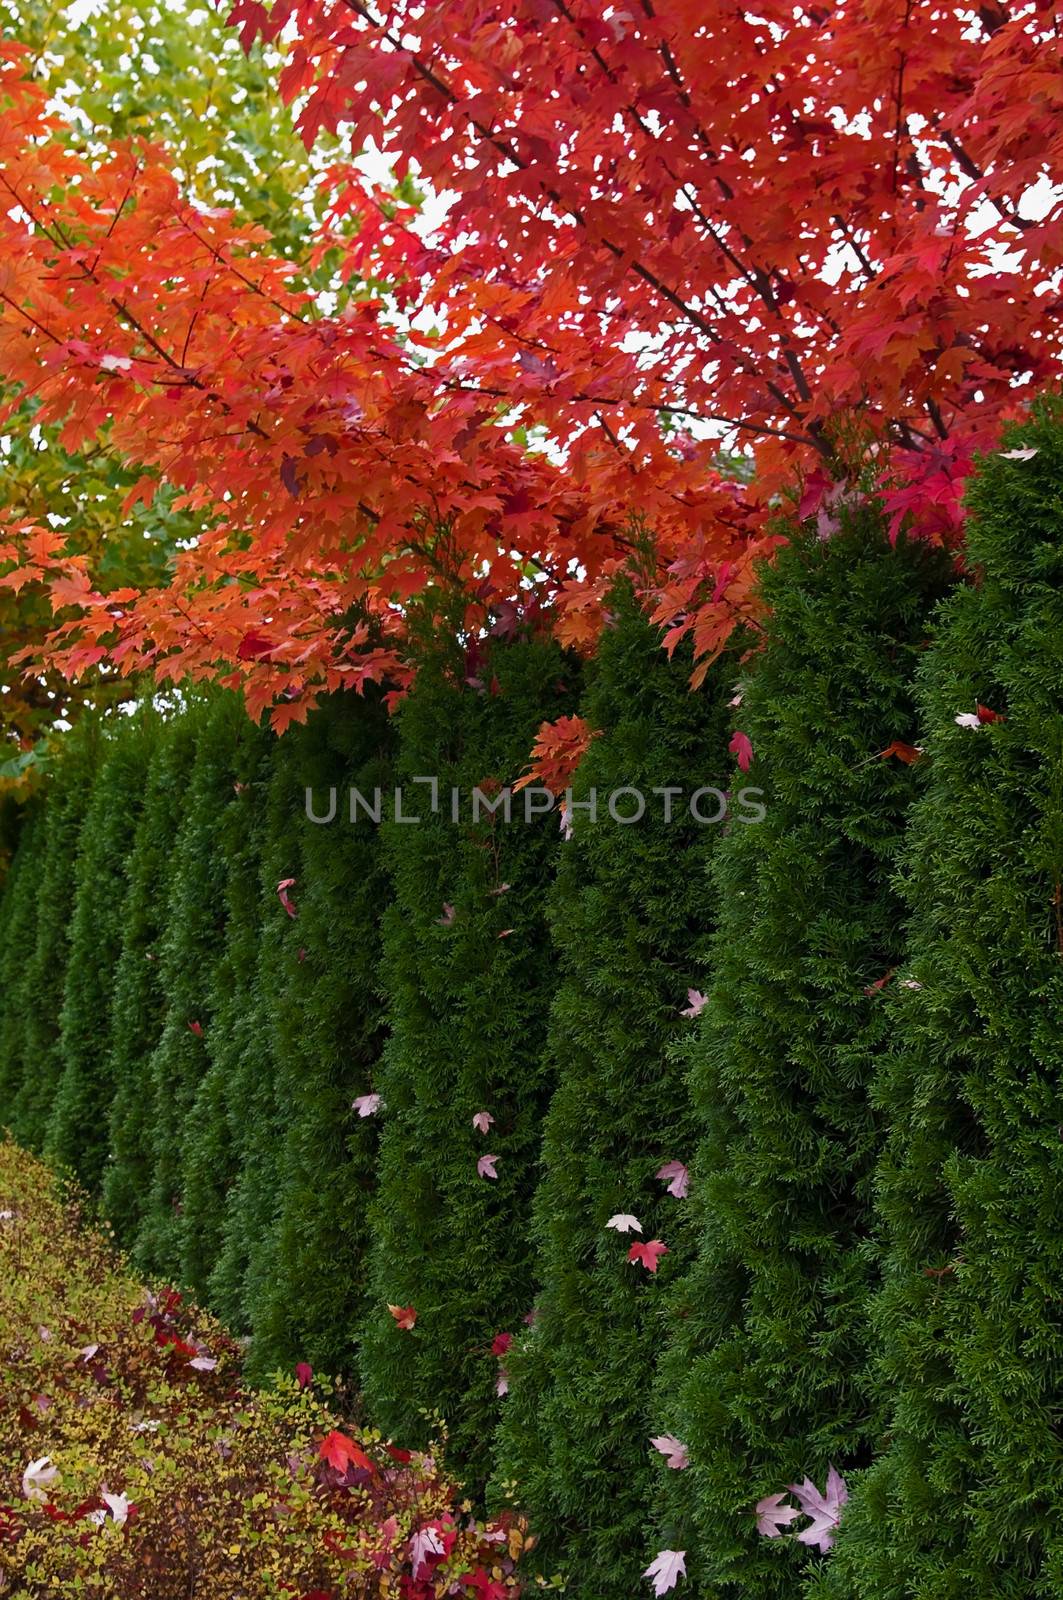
(827, 234)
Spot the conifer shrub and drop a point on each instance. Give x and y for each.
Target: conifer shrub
(138, 999)
(630, 915)
(965, 1499)
(18, 922)
(257, 1117)
(765, 1376)
(210, 1160)
(76, 1136)
(467, 973)
(71, 770)
(190, 946)
(329, 1034)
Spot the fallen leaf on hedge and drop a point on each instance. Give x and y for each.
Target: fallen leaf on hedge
(448, 915)
(342, 1453)
(196, 1028)
(501, 1343)
(405, 1316)
(666, 1568)
(1011, 455)
(880, 983)
(773, 1516)
(696, 1002)
(304, 1373)
(648, 1254)
(204, 1363)
(824, 1509)
(482, 1121)
(742, 750)
(37, 1477)
(673, 1449)
(503, 888)
(679, 1177)
(486, 1167)
(624, 1222)
(366, 1105)
(502, 1382)
(282, 893)
(986, 715)
(908, 753)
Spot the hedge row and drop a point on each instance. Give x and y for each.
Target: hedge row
(841, 1021)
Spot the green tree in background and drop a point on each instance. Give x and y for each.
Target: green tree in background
(329, 1035)
(76, 1136)
(630, 915)
(767, 1378)
(468, 974)
(964, 1500)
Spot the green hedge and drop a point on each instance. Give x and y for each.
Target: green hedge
(138, 995)
(329, 1035)
(468, 991)
(965, 1500)
(41, 985)
(76, 1136)
(766, 1379)
(630, 916)
(868, 1269)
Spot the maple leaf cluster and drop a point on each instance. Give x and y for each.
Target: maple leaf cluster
(825, 235)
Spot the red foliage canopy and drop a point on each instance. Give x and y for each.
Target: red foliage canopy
(827, 232)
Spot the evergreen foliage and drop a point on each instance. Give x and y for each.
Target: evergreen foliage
(189, 949)
(965, 1500)
(138, 996)
(210, 1158)
(72, 768)
(18, 923)
(77, 1131)
(257, 1118)
(329, 1034)
(467, 997)
(766, 1380)
(630, 914)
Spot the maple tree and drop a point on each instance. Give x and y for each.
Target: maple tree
(825, 234)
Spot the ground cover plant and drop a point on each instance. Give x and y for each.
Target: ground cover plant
(136, 1465)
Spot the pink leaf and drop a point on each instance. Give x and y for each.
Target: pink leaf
(304, 1372)
(673, 1449)
(448, 915)
(482, 1121)
(366, 1105)
(285, 900)
(486, 1167)
(666, 1568)
(773, 1516)
(679, 1177)
(502, 1382)
(742, 749)
(824, 1509)
(624, 1222)
(648, 1254)
(696, 1003)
